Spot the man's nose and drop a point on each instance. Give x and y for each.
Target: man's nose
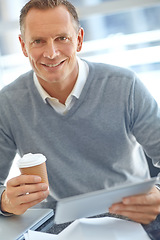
(50, 50)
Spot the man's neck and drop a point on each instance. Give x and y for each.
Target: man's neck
(59, 91)
(62, 89)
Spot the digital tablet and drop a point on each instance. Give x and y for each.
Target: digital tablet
(98, 202)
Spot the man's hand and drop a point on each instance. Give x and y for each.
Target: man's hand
(141, 208)
(23, 192)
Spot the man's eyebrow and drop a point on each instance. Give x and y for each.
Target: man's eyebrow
(36, 37)
(63, 34)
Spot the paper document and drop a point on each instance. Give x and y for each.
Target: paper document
(95, 228)
(33, 235)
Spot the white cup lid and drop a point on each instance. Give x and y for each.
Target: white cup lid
(30, 160)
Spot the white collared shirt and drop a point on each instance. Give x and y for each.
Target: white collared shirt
(54, 102)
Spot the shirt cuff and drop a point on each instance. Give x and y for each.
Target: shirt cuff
(2, 188)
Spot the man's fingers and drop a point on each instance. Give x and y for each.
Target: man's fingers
(23, 179)
(31, 188)
(140, 208)
(138, 213)
(31, 197)
(18, 205)
(138, 217)
(22, 208)
(28, 193)
(144, 199)
(23, 192)
(150, 209)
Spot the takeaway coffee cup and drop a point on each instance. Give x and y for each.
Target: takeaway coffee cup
(34, 164)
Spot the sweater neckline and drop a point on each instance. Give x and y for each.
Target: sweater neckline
(77, 102)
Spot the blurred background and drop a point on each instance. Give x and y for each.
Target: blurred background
(120, 32)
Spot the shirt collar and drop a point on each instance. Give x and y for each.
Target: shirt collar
(82, 77)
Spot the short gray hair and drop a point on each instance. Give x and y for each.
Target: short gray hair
(47, 4)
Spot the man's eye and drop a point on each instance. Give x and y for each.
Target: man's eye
(38, 41)
(62, 38)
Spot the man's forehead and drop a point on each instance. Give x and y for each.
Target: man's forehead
(56, 21)
(47, 16)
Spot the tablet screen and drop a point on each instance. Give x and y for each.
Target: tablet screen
(98, 202)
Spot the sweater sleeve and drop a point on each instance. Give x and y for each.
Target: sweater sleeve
(146, 121)
(7, 145)
(2, 188)
(7, 149)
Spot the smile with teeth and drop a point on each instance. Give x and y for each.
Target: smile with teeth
(52, 65)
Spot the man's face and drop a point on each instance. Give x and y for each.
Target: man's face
(51, 42)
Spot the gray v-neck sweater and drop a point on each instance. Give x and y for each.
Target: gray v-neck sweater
(96, 143)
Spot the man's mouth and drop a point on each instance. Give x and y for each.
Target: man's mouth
(52, 65)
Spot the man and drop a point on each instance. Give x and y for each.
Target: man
(89, 119)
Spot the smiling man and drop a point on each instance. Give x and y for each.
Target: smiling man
(92, 121)
(51, 40)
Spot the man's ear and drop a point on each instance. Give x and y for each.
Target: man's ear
(80, 39)
(23, 46)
